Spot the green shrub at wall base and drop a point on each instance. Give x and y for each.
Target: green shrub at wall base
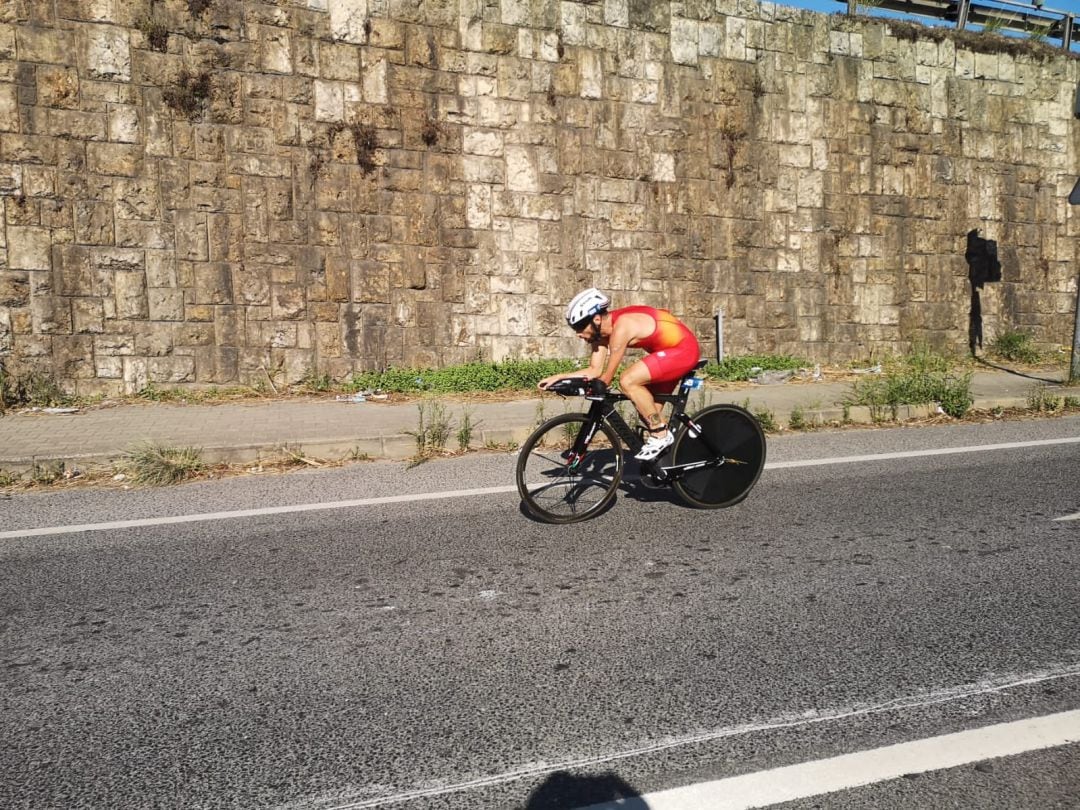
(918, 378)
(510, 375)
(737, 369)
(1014, 345)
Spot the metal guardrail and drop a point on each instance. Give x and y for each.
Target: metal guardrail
(1008, 15)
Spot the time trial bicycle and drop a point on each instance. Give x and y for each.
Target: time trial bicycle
(570, 467)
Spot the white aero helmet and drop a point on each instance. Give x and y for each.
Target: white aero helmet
(584, 305)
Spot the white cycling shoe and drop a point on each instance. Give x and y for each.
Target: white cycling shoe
(655, 446)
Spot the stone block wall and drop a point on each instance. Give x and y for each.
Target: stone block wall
(218, 191)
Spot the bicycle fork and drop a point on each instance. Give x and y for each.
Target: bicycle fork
(575, 454)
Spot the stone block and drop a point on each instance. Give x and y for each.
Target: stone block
(329, 101)
(39, 181)
(107, 53)
(14, 288)
(7, 341)
(73, 270)
(9, 108)
(150, 235)
(259, 165)
(213, 283)
(200, 313)
(224, 237)
(130, 293)
(218, 365)
(191, 235)
(48, 45)
(73, 357)
(87, 316)
(93, 223)
(29, 248)
(135, 374)
(114, 159)
(111, 368)
(348, 20)
(339, 62)
(287, 301)
(374, 82)
(124, 123)
(21, 321)
(194, 334)
(56, 86)
(160, 269)
(172, 370)
(50, 315)
(165, 304)
(28, 149)
(251, 283)
(7, 35)
(82, 126)
(11, 180)
(337, 278)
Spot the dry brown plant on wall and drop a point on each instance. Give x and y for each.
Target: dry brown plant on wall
(430, 131)
(156, 33)
(188, 93)
(365, 140)
(731, 135)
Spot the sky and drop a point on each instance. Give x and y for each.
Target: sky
(833, 6)
(839, 6)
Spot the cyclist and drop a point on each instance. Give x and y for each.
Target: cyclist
(672, 352)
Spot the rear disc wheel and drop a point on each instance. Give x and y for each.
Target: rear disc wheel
(740, 441)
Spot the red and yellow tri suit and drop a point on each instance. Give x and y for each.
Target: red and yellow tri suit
(672, 349)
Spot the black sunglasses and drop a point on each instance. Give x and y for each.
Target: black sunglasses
(582, 325)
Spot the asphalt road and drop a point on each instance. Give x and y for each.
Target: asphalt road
(453, 653)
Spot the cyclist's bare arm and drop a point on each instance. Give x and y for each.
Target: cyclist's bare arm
(592, 371)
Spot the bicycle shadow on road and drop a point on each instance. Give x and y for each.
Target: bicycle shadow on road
(566, 791)
(1013, 371)
(631, 487)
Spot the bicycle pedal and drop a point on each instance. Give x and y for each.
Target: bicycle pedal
(653, 478)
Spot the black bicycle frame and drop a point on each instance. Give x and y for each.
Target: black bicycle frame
(603, 409)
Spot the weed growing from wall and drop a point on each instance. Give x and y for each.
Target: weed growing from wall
(156, 33)
(1014, 345)
(430, 131)
(187, 94)
(33, 388)
(365, 141)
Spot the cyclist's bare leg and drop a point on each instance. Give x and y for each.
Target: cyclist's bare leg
(634, 383)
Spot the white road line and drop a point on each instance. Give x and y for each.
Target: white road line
(362, 800)
(1069, 517)
(241, 513)
(466, 493)
(942, 451)
(808, 779)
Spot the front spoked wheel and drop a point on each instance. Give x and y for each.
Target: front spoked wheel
(560, 485)
(727, 479)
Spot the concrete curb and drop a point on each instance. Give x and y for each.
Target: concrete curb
(401, 446)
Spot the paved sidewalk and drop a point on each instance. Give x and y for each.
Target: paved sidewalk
(330, 429)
